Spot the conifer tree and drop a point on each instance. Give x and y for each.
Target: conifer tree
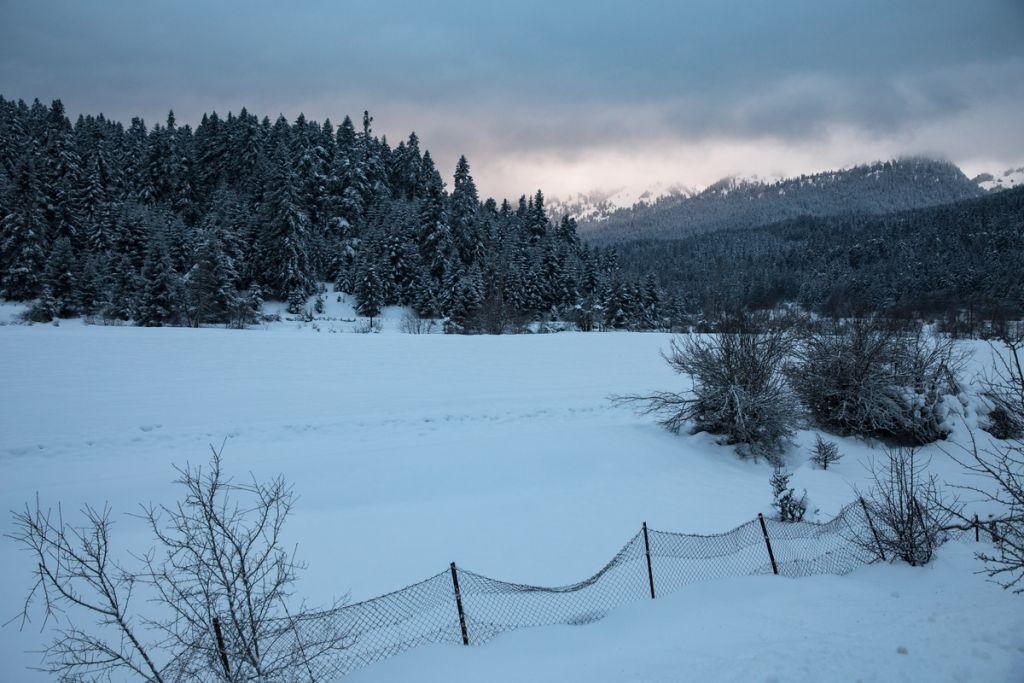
(159, 301)
(62, 279)
(90, 292)
(536, 218)
(287, 270)
(122, 289)
(23, 236)
(435, 237)
(369, 291)
(210, 284)
(464, 214)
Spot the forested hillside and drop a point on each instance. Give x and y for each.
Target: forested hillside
(962, 256)
(166, 225)
(733, 204)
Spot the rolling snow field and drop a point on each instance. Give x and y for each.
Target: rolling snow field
(501, 453)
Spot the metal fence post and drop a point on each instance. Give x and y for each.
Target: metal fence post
(871, 525)
(650, 569)
(768, 543)
(220, 647)
(977, 530)
(458, 603)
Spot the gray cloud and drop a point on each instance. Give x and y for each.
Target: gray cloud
(569, 77)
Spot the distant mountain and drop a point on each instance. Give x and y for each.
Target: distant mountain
(935, 261)
(1007, 180)
(735, 203)
(597, 205)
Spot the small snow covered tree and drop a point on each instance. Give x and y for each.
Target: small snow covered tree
(789, 507)
(44, 309)
(825, 453)
(369, 292)
(246, 307)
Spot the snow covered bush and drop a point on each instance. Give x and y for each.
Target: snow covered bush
(789, 507)
(869, 379)
(825, 453)
(908, 512)
(739, 390)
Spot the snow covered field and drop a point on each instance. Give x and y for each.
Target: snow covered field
(501, 453)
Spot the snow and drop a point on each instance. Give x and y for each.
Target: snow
(1006, 180)
(882, 623)
(599, 204)
(501, 453)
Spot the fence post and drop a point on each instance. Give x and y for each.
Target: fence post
(650, 569)
(768, 543)
(871, 524)
(220, 647)
(458, 603)
(977, 530)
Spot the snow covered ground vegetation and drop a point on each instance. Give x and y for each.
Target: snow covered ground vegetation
(505, 454)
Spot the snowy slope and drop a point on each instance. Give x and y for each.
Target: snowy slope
(598, 205)
(408, 452)
(882, 623)
(1008, 179)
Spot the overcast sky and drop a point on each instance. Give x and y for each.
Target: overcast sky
(567, 96)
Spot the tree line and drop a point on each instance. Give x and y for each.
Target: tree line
(958, 262)
(166, 225)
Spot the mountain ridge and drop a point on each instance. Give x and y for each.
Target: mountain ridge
(736, 202)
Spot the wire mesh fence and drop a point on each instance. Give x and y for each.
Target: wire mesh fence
(462, 607)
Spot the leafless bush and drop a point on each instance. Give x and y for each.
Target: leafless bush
(825, 453)
(908, 512)
(220, 583)
(1002, 465)
(1003, 388)
(871, 379)
(739, 390)
(413, 324)
(368, 326)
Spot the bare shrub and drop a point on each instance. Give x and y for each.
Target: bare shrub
(739, 390)
(220, 565)
(413, 324)
(1002, 465)
(1003, 388)
(872, 379)
(910, 516)
(367, 326)
(825, 453)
